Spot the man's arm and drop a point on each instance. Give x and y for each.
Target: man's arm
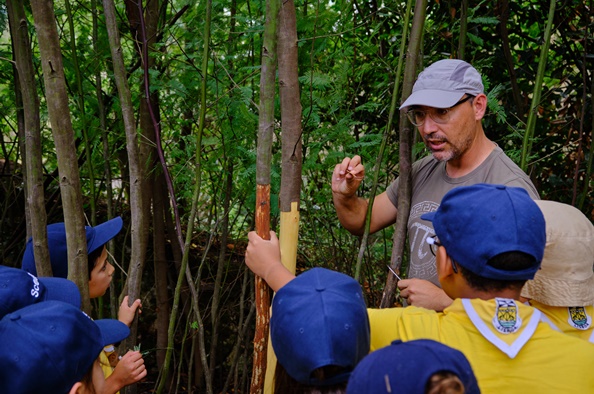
(352, 209)
(424, 294)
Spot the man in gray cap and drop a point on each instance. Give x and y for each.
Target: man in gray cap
(447, 106)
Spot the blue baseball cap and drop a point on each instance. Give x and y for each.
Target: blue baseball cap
(319, 319)
(478, 222)
(407, 367)
(56, 238)
(48, 347)
(19, 289)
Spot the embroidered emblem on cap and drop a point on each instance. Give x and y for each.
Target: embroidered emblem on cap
(35, 289)
(507, 319)
(579, 318)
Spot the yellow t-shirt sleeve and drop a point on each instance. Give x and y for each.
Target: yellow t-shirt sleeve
(382, 324)
(409, 323)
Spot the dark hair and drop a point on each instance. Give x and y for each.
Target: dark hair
(87, 380)
(508, 261)
(285, 384)
(444, 383)
(93, 257)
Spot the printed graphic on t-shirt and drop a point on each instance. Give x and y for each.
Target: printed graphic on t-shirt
(422, 261)
(579, 318)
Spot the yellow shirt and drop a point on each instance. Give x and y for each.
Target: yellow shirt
(509, 348)
(575, 321)
(104, 361)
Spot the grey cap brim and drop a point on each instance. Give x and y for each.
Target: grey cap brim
(432, 98)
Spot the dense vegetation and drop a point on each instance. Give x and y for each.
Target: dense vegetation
(347, 59)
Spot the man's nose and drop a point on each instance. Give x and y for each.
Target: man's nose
(429, 126)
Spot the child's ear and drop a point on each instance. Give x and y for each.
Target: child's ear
(444, 264)
(76, 389)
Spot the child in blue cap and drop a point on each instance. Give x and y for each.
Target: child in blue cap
(421, 366)
(19, 289)
(490, 240)
(319, 332)
(100, 276)
(53, 347)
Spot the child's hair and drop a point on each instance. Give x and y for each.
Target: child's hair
(87, 381)
(284, 383)
(445, 383)
(93, 257)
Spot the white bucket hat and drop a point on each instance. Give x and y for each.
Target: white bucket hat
(566, 277)
(444, 83)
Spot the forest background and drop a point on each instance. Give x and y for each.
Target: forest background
(199, 63)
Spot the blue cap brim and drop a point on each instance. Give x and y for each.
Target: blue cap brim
(112, 331)
(103, 233)
(59, 289)
(429, 216)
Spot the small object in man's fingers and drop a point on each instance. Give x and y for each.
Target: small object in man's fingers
(394, 272)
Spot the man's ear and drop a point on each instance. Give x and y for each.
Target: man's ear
(479, 104)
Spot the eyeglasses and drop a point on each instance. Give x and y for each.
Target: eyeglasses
(434, 244)
(439, 115)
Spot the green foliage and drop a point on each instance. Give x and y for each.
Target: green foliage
(346, 61)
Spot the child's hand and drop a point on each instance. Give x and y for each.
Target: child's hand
(264, 259)
(130, 369)
(126, 313)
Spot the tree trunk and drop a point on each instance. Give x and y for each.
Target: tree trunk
(405, 182)
(81, 107)
(34, 189)
(503, 7)
(264, 161)
(59, 115)
(542, 65)
(139, 234)
(463, 29)
(292, 151)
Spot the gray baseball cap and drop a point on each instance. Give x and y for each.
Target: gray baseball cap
(444, 83)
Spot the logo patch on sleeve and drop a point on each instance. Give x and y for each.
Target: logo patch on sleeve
(507, 318)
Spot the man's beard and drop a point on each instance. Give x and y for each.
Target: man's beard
(454, 151)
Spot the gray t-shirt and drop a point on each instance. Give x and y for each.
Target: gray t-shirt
(431, 183)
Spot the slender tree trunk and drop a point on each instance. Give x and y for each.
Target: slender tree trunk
(139, 235)
(542, 66)
(589, 167)
(221, 264)
(264, 161)
(387, 132)
(161, 267)
(406, 131)
(463, 29)
(114, 304)
(292, 151)
(81, 107)
(503, 7)
(184, 269)
(59, 115)
(34, 189)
